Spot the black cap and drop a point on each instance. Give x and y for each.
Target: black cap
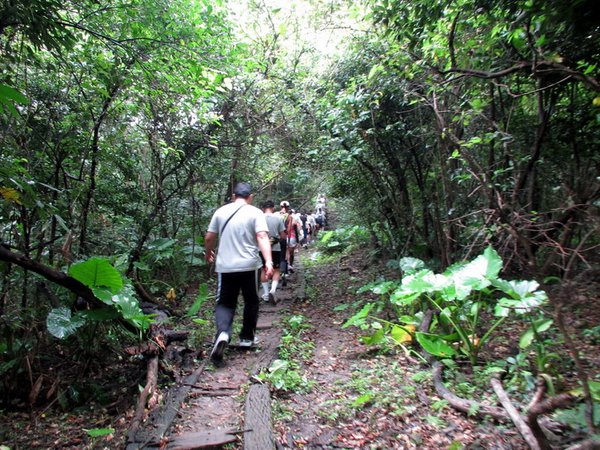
(243, 190)
(269, 204)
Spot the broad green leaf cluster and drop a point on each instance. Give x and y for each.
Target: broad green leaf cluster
(470, 299)
(108, 286)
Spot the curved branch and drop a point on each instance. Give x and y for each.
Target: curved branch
(60, 278)
(545, 67)
(451, 40)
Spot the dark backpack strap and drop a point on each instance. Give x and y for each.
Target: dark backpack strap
(227, 221)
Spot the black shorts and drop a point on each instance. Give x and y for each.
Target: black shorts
(276, 256)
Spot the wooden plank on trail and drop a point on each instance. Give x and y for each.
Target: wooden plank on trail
(202, 439)
(156, 426)
(258, 419)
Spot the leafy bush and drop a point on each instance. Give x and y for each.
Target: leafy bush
(108, 285)
(285, 374)
(342, 239)
(471, 303)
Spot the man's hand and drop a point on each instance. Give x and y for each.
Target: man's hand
(262, 237)
(210, 256)
(210, 242)
(269, 269)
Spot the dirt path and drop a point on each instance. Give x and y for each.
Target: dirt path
(212, 405)
(360, 398)
(351, 396)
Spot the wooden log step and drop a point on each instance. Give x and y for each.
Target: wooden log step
(258, 419)
(203, 439)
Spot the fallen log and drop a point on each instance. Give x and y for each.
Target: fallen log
(258, 419)
(160, 420)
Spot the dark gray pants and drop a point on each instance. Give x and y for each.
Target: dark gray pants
(229, 286)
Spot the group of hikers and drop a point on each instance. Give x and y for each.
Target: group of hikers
(254, 245)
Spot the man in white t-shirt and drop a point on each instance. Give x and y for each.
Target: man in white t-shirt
(242, 231)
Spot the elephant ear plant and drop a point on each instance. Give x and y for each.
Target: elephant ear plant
(470, 299)
(108, 285)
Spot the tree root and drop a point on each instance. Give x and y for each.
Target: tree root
(469, 407)
(529, 435)
(534, 433)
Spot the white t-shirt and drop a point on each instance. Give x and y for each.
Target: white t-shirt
(276, 226)
(238, 248)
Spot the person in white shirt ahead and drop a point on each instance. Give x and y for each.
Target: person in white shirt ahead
(242, 231)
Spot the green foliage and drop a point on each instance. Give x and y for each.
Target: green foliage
(107, 284)
(368, 391)
(99, 432)
(342, 239)
(99, 275)
(576, 418)
(285, 373)
(61, 323)
(201, 298)
(284, 376)
(467, 296)
(592, 334)
(9, 97)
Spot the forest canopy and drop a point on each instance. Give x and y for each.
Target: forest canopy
(442, 128)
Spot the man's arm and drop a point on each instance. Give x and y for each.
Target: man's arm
(210, 242)
(262, 237)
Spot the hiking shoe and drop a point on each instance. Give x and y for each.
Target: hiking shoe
(219, 348)
(247, 343)
(272, 299)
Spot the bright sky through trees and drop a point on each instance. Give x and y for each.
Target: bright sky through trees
(314, 29)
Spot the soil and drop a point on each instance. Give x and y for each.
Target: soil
(352, 396)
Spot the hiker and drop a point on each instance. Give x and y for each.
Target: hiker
(242, 231)
(320, 218)
(284, 216)
(276, 234)
(305, 229)
(312, 227)
(294, 235)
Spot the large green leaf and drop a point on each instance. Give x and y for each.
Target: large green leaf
(518, 289)
(477, 274)
(359, 319)
(538, 326)
(525, 304)
(417, 282)
(61, 323)
(9, 93)
(97, 273)
(128, 305)
(375, 338)
(400, 297)
(434, 345)
(200, 299)
(410, 265)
